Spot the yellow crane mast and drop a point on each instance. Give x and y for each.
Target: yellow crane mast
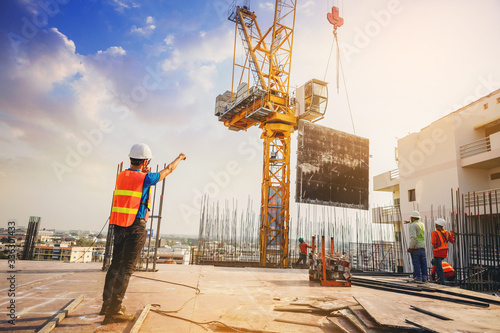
(262, 98)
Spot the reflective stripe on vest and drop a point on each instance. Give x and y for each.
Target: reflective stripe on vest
(447, 268)
(127, 198)
(420, 236)
(443, 241)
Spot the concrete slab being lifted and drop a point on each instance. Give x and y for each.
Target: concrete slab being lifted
(193, 299)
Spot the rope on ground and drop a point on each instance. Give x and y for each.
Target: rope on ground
(178, 284)
(167, 313)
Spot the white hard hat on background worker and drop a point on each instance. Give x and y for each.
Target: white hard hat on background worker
(441, 222)
(415, 214)
(140, 151)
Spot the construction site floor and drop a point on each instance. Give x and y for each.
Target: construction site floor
(207, 298)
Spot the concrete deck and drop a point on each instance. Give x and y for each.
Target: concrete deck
(239, 297)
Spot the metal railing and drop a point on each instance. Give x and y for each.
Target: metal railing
(394, 174)
(476, 147)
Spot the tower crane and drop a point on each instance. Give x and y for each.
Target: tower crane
(262, 98)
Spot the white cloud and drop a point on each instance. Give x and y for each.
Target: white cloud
(121, 5)
(146, 30)
(113, 51)
(172, 63)
(202, 48)
(169, 40)
(204, 76)
(266, 5)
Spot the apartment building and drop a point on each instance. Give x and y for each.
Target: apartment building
(459, 152)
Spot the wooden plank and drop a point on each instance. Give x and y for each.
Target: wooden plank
(347, 314)
(343, 324)
(61, 315)
(363, 316)
(333, 305)
(300, 309)
(140, 320)
(302, 319)
(395, 313)
(468, 319)
(386, 312)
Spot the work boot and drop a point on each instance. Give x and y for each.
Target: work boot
(105, 308)
(119, 317)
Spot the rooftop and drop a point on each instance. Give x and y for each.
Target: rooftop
(206, 298)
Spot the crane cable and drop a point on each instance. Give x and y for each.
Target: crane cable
(345, 85)
(335, 42)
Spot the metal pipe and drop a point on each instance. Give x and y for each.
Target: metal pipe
(151, 224)
(157, 240)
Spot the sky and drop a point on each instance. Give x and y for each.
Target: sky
(82, 81)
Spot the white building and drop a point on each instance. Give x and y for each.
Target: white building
(62, 252)
(459, 151)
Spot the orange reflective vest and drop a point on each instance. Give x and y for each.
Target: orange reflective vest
(448, 270)
(127, 198)
(440, 242)
(303, 247)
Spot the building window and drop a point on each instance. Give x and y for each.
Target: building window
(498, 100)
(495, 176)
(485, 106)
(411, 195)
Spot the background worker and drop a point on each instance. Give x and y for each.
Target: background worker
(303, 252)
(129, 214)
(439, 240)
(449, 272)
(417, 247)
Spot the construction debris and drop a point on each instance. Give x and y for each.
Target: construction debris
(331, 269)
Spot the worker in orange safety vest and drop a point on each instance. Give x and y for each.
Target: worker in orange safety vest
(303, 252)
(439, 239)
(449, 272)
(129, 214)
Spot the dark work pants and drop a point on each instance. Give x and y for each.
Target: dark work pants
(439, 269)
(127, 247)
(302, 257)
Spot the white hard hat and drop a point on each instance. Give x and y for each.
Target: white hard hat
(140, 151)
(440, 222)
(415, 214)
